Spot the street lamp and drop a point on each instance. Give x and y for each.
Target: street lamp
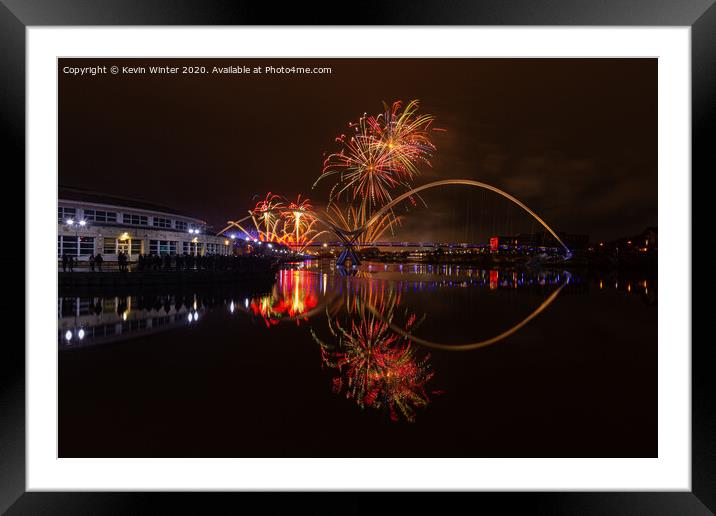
(77, 225)
(195, 240)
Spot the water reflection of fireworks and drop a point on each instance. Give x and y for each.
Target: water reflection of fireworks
(293, 296)
(376, 366)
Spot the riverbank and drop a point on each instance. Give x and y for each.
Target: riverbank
(251, 273)
(137, 278)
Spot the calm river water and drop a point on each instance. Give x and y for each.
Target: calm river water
(396, 360)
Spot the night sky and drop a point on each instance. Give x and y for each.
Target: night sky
(575, 139)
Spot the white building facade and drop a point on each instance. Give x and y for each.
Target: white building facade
(90, 223)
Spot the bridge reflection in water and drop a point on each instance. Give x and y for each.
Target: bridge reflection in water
(369, 328)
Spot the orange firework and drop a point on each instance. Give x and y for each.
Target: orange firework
(267, 216)
(383, 154)
(299, 220)
(284, 222)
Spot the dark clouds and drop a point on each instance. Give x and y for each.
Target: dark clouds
(574, 138)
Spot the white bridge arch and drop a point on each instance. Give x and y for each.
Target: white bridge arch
(349, 236)
(464, 182)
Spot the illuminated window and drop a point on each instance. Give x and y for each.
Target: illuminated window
(162, 247)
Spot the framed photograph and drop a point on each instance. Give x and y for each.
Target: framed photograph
(445, 248)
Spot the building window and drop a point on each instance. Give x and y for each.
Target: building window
(66, 245)
(100, 216)
(192, 247)
(215, 248)
(180, 225)
(70, 245)
(160, 222)
(110, 246)
(86, 246)
(65, 213)
(135, 220)
(136, 246)
(162, 247)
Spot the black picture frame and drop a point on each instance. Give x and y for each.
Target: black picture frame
(700, 15)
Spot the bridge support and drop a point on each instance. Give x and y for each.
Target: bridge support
(348, 257)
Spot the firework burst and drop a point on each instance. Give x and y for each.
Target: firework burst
(381, 156)
(405, 134)
(299, 221)
(266, 216)
(383, 153)
(291, 223)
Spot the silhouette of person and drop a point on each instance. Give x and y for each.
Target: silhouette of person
(91, 262)
(98, 260)
(65, 262)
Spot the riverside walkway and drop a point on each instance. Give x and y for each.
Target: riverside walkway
(235, 269)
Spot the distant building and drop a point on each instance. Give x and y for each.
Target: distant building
(540, 239)
(90, 223)
(646, 241)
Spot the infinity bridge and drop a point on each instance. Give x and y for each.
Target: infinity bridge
(349, 237)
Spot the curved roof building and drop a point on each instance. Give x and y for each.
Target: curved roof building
(91, 223)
